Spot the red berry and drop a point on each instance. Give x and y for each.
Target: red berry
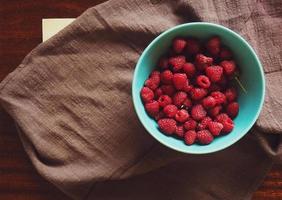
(179, 98)
(225, 54)
(181, 115)
(198, 93)
(190, 137)
(209, 102)
(221, 117)
(219, 97)
(193, 46)
(160, 115)
(168, 90)
(213, 112)
(228, 66)
(214, 73)
(204, 137)
(213, 46)
(166, 77)
(187, 87)
(204, 123)
(190, 124)
(189, 69)
(177, 62)
(203, 81)
(151, 83)
(231, 94)
(152, 108)
(179, 131)
(158, 92)
(179, 80)
(232, 109)
(167, 126)
(178, 45)
(155, 73)
(198, 112)
(228, 125)
(147, 94)
(163, 63)
(202, 61)
(187, 103)
(215, 128)
(164, 100)
(170, 110)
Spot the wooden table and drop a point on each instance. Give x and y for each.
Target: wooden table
(20, 32)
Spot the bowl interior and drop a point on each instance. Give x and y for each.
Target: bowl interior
(251, 77)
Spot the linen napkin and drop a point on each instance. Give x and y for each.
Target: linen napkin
(71, 101)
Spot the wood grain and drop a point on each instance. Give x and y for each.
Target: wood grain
(20, 32)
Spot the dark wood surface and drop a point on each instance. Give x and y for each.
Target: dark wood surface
(20, 32)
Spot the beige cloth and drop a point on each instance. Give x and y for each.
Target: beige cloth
(71, 100)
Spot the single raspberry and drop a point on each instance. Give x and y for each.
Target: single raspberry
(209, 102)
(215, 128)
(213, 112)
(152, 108)
(158, 92)
(147, 94)
(198, 93)
(187, 87)
(177, 62)
(198, 112)
(214, 73)
(189, 69)
(170, 110)
(204, 137)
(225, 54)
(190, 137)
(232, 109)
(202, 61)
(203, 81)
(159, 116)
(228, 126)
(178, 45)
(219, 97)
(228, 66)
(151, 83)
(204, 123)
(167, 126)
(163, 63)
(179, 131)
(155, 76)
(213, 46)
(222, 117)
(155, 73)
(193, 46)
(182, 115)
(187, 103)
(179, 80)
(166, 77)
(214, 87)
(164, 100)
(179, 98)
(190, 124)
(168, 90)
(231, 94)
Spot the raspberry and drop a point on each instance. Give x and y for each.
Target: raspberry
(166, 77)
(228, 66)
(202, 61)
(193, 46)
(203, 81)
(160, 115)
(179, 98)
(232, 109)
(204, 137)
(225, 54)
(215, 128)
(179, 80)
(198, 112)
(215, 111)
(147, 94)
(168, 90)
(170, 110)
(163, 63)
(155, 74)
(214, 73)
(151, 83)
(231, 94)
(228, 125)
(167, 126)
(190, 124)
(152, 108)
(164, 100)
(179, 131)
(181, 115)
(209, 102)
(213, 46)
(156, 77)
(190, 137)
(178, 45)
(177, 62)
(198, 93)
(187, 103)
(187, 87)
(158, 92)
(219, 97)
(189, 69)
(221, 117)
(204, 123)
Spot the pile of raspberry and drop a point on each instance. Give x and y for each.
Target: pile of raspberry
(192, 94)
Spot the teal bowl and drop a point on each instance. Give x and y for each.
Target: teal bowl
(251, 76)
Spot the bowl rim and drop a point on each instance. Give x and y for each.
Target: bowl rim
(136, 94)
